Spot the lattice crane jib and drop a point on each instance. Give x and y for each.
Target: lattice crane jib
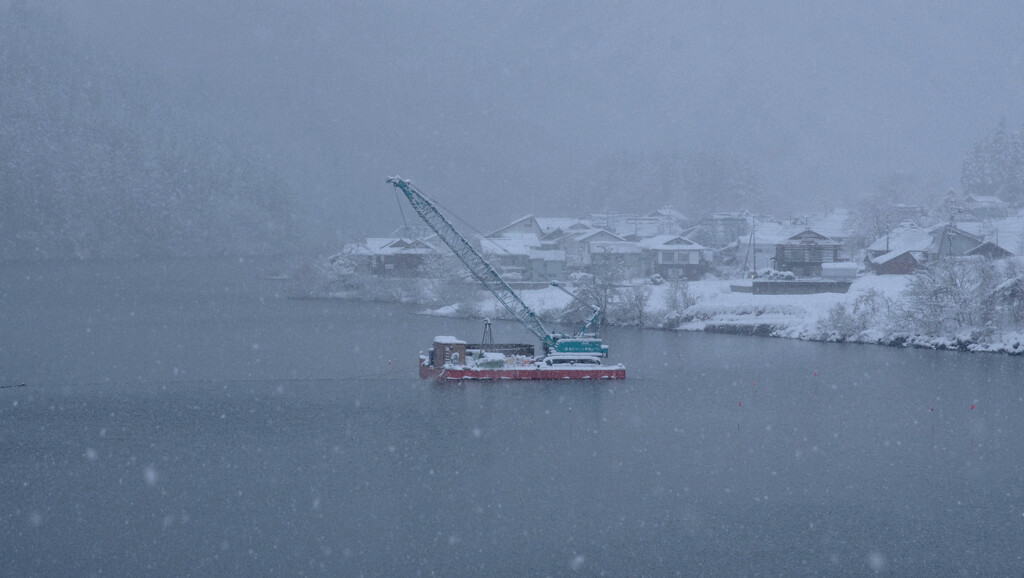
(477, 265)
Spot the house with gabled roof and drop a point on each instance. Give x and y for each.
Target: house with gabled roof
(528, 249)
(598, 250)
(1007, 232)
(526, 225)
(511, 255)
(674, 257)
(898, 262)
(907, 236)
(909, 247)
(985, 206)
(804, 252)
(989, 250)
(389, 256)
(755, 250)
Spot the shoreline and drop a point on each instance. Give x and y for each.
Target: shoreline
(717, 309)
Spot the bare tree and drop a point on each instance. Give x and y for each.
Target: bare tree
(634, 304)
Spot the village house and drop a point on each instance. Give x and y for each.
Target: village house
(803, 253)
(984, 206)
(909, 247)
(532, 249)
(674, 257)
(598, 250)
(386, 256)
(528, 248)
(1007, 232)
(755, 251)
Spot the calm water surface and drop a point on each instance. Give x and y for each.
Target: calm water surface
(187, 418)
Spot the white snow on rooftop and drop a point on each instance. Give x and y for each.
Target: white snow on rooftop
(771, 233)
(519, 244)
(549, 224)
(1008, 232)
(669, 243)
(906, 237)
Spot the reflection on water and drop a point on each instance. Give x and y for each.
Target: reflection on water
(186, 417)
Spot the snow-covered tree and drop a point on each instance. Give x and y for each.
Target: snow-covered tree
(951, 295)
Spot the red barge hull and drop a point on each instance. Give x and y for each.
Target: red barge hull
(521, 373)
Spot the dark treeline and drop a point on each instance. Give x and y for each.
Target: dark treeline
(96, 161)
(996, 167)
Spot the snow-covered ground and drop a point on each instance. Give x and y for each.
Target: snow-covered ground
(793, 316)
(720, 309)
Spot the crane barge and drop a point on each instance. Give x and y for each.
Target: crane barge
(564, 356)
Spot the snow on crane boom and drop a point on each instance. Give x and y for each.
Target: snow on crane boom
(486, 274)
(595, 319)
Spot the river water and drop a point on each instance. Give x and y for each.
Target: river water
(188, 418)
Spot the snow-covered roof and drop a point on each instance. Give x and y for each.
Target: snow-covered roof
(585, 236)
(566, 224)
(669, 212)
(374, 243)
(882, 259)
(669, 243)
(392, 246)
(406, 247)
(985, 199)
(1007, 232)
(736, 215)
(906, 237)
(809, 237)
(525, 224)
(512, 245)
(448, 340)
(770, 233)
(637, 225)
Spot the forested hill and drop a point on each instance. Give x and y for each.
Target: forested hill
(96, 162)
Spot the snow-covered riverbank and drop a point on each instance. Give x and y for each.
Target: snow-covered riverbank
(809, 317)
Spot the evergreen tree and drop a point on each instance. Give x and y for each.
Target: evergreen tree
(996, 167)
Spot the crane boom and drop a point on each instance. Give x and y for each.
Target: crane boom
(595, 319)
(477, 265)
(486, 274)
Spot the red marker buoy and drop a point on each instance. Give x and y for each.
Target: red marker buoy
(972, 406)
(741, 404)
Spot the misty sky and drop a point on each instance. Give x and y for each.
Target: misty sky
(512, 106)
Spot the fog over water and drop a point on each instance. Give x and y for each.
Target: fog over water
(188, 418)
(536, 107)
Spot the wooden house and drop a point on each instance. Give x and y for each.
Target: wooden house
(804, 253)
(674, 257)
